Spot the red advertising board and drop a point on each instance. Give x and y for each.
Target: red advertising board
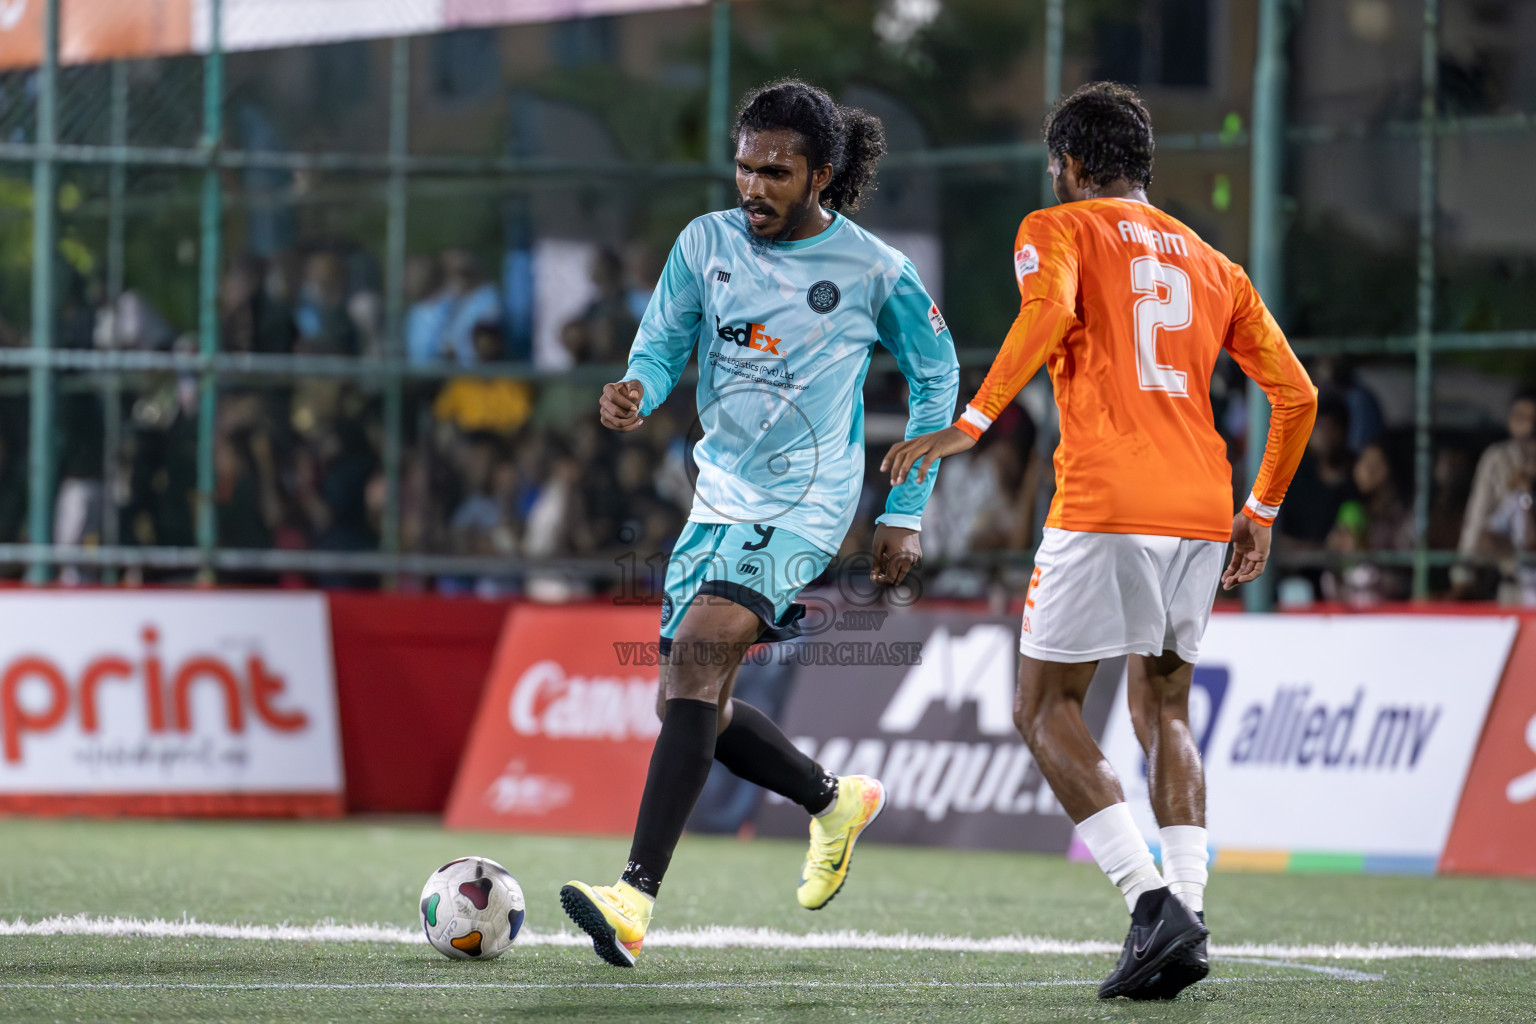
(565, 728)
(410, 669)
(1494, 832)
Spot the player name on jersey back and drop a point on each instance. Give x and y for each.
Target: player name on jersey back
(1167, 242)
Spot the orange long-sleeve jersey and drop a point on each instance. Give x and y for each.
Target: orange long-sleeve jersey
(1129, 309)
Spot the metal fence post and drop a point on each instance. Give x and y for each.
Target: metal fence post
(1265, 230)
(45, 179)
(112, 387)
(1054, 32)
(718, 134)
(1423, 378)
(394, 283)
(212, 230)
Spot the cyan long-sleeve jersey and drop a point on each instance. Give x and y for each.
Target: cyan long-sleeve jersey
(785, 332)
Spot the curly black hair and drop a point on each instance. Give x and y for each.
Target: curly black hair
(1107, 127)
(850, 139)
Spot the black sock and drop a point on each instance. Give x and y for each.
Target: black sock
(679, 766)
(756, 749)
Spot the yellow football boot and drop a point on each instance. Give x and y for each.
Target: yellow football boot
(860, 799)
(616, 916)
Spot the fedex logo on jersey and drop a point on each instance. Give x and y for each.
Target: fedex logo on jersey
(754, 336)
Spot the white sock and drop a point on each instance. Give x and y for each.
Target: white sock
(1118, 848)
(1185, 857)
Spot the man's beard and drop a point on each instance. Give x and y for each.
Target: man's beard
(794, 218)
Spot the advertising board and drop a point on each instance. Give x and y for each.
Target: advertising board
(924, 702)
(564, 733)
(168, 703)
(1337, 738)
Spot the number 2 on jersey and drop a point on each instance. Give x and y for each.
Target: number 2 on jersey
(1165, 304)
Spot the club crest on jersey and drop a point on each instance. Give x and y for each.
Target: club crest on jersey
(823, 296)
(936, 319)
(1025, 261)
(748, 336)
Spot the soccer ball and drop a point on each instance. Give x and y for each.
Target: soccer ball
(471, 909)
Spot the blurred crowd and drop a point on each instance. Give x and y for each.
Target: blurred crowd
(505, 462)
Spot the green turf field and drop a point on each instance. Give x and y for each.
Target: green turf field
(371, 872)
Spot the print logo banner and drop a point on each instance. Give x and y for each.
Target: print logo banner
(105, 696)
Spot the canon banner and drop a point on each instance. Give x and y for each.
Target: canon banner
(168, 703)
(564, 733)
(1336, 735)
(936, 728)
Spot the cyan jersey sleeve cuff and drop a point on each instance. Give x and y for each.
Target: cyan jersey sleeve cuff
(649, 403)
(901, 522)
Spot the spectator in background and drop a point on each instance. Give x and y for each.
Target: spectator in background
(606, 328)
(248, 504)
(990, 503)
(1324, 480)
(481, 524)
(469, 300)
(1379, 519)
(249, 320)
(496, 404)
(557, 526)
(1498, 516)
(365, 303)
(325, 325)
(427, 315)
(1339, 377)
(1448, 497)
(643, 270)
(129, 322)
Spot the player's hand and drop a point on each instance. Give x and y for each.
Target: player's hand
(922, 452)
(895, 551)
(619, 408)
(1250, 550)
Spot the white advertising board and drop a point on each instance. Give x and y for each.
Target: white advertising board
(167, 693)
(1331, 734)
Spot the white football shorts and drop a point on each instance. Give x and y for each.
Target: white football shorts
(1099, 595)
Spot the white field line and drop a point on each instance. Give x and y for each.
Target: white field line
(408, 986)
(742, 938)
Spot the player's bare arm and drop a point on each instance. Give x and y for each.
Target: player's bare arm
(896, 551)
(1250, 551)
(923, 452)
(619, 408)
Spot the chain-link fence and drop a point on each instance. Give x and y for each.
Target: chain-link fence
(331, 308)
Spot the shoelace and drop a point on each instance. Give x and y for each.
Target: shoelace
(823, 849)
(626, 908)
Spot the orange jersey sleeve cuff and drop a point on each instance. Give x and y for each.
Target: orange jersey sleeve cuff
(973, 423)
(1259, 512)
